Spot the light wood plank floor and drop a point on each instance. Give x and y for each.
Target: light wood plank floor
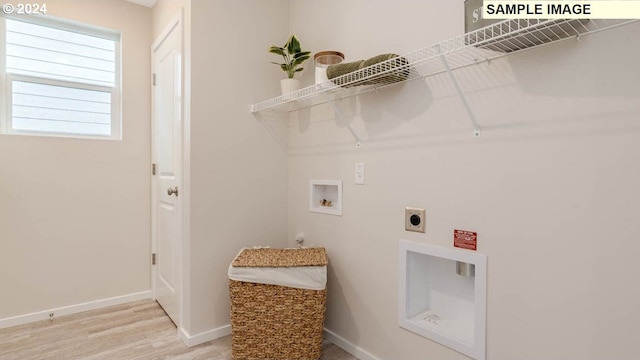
(138, 330)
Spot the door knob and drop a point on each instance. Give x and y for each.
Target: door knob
(173, 191)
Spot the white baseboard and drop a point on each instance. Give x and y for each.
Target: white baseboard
(193, 340)
(347, 346)
(73, 309)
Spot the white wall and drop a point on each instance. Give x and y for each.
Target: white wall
(238, 170)
(163, 11)
(550, 186)
(238, 167)
(74, 214)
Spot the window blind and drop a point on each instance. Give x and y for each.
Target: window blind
(48, 108)
(57, 54)
(62, 81)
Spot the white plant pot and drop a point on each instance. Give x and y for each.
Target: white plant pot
(288, 86)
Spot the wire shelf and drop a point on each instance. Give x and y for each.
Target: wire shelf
(500, 39)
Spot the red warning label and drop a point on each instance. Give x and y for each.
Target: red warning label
(465, 239)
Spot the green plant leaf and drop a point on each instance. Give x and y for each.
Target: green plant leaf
(288, 45)
(302, 53)
(293, 45)
(300, 60)
(303, 56)
(299, 69)
(277, 50)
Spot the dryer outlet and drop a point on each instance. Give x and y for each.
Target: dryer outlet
(414, 219)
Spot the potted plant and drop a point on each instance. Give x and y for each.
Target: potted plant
(293, 57)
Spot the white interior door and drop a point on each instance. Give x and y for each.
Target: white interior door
(167, 157)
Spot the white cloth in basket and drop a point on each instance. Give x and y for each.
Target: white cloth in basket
(300, 277)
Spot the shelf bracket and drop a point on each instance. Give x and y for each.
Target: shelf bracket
(257, 115)
(476, 127)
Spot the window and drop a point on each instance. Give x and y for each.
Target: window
(60, 79)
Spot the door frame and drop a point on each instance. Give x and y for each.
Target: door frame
(183, 199)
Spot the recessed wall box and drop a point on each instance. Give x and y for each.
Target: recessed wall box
(325, 196)
(437, 303)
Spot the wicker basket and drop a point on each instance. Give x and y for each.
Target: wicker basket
(277, 322)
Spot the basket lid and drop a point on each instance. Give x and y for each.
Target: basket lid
(267, 257)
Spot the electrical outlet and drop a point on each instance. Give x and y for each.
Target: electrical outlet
(414, 219)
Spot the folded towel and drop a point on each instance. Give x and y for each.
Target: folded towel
(378, 58)
(335, 70)
(377, 64)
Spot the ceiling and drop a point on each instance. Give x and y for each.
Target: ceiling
(147, 3)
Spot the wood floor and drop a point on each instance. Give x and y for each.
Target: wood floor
(138, 330)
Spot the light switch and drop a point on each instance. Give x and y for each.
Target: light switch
(359, 173)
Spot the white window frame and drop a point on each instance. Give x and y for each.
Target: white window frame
(6, 80)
